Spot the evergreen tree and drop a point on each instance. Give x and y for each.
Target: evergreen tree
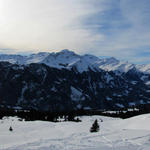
(10, 129)
(78, 120)
(95, 126)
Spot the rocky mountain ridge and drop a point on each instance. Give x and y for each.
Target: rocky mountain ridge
(67, 81)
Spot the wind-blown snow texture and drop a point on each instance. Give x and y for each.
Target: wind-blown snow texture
(114, 134)
(67, 59)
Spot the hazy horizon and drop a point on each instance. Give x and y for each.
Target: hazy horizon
(28, 53)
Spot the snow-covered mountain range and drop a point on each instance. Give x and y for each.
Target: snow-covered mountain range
(67, 81)
(68, 59)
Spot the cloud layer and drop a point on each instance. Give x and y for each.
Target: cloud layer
(117, 28)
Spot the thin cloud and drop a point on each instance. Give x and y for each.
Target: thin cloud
(117, 28)
(48, 24)
(127, 29)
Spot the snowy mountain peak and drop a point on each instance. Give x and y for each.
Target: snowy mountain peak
(68, 59)
(111, 60)
(66, 52)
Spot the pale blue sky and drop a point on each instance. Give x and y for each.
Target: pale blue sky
(118, 28)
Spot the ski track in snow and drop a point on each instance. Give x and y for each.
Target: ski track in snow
(115, 134)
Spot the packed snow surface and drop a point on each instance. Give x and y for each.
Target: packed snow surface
(114, 134)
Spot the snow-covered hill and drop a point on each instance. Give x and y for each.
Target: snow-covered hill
(68, 59)
(114, 134)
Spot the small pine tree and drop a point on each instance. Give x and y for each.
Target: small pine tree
(10, 129)
(95, 126)
(78, 120)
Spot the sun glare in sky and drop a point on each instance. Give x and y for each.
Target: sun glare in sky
(117, 28)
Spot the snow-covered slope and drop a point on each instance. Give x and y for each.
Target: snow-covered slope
(36, 58)
(112, 64)
(114, 134)
(14, 59)
(68, 59)
(144, 68)
(61, 59)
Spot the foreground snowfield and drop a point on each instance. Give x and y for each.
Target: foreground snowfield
(115, 134)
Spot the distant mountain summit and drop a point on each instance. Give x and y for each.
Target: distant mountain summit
(68, 59)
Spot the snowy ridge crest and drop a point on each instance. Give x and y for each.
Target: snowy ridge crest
(68, 59)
